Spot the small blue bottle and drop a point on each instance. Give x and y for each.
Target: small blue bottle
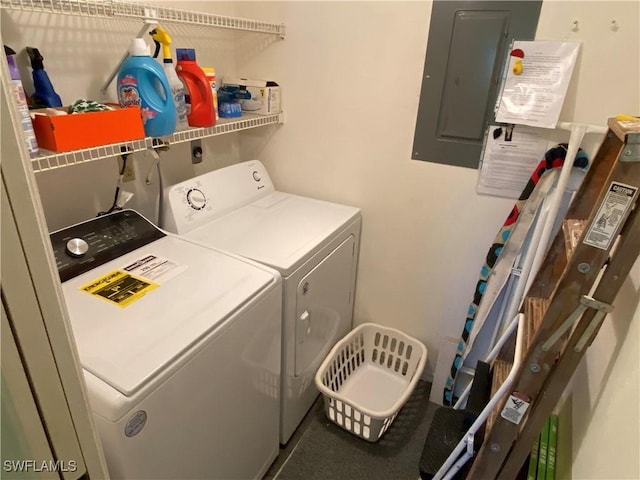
(142, 82)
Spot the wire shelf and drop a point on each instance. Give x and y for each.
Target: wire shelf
(175, 15)
(66, 7)
(49, 161)
(139, 11)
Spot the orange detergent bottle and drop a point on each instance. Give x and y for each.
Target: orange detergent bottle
(198, 97)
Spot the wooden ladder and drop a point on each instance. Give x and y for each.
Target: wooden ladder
(589, 259)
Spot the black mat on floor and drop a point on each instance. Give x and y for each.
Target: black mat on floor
(327, 452)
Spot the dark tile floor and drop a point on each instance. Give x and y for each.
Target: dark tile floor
(320, 450)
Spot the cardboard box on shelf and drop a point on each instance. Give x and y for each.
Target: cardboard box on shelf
(265, 95)
(63, 133)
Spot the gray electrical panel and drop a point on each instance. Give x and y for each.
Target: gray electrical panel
(466, 53)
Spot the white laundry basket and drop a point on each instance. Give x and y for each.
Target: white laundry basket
(368, 376)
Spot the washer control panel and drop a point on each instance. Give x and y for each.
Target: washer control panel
(77, 247)
(87, 245)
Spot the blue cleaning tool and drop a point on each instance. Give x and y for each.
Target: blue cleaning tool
(229, 97)
(45, 95)
(232, 93)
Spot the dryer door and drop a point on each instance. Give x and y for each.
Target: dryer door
(324, 307)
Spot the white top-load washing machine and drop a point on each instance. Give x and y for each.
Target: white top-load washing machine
(312, 243)
(180, 349)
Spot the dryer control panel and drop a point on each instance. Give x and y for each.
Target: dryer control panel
(200, 200)
(85, 246)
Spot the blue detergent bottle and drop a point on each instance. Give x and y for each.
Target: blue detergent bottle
(142, 82)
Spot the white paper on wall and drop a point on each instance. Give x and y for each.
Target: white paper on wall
(537, 78)
(511, 153)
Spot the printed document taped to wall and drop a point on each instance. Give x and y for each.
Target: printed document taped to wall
(537, 78)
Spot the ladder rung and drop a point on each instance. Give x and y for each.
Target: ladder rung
(534, 311)
(572, 230)
(501, 369)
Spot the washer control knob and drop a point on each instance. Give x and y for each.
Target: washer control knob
(196, 199)
(256, 176)
(77, 247)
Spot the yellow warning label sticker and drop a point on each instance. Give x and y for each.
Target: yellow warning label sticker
(119, 287)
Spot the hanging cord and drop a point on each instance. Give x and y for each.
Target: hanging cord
(116, 196)
(158, 145)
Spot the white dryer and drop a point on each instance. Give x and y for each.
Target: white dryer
(312, 243)
(179, 346)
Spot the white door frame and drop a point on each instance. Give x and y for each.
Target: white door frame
(35, 310)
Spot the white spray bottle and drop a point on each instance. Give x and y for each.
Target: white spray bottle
(161, 37)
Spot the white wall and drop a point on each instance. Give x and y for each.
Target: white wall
(351, 75)
(351, 80)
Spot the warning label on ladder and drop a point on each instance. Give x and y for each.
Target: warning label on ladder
(612, 212)
(515, 408)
